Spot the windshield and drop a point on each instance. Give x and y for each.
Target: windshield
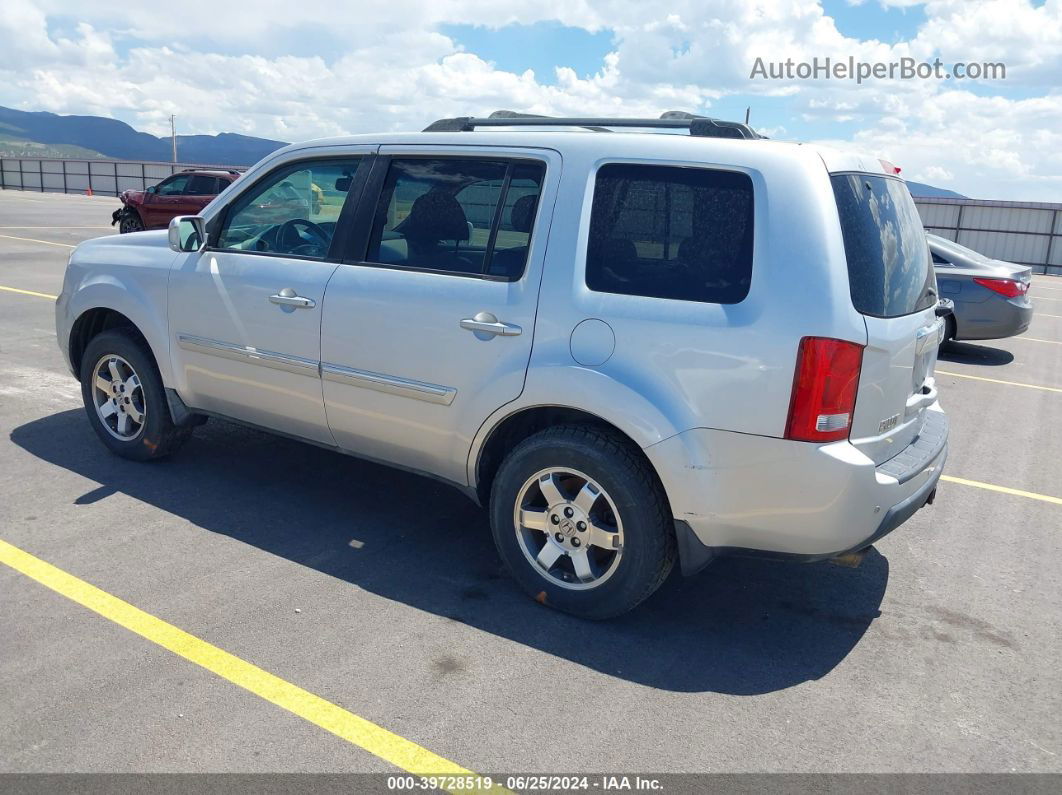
(889, 271)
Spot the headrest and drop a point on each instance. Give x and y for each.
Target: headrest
(435, 216)
(522, 215)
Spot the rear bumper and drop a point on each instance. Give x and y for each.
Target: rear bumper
(991, 320)
(736, 493)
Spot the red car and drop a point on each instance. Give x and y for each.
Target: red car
(184, 193)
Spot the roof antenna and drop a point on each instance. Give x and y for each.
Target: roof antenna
(748, 110)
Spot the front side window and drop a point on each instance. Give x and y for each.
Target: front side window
(457, 215)
(293, 211)
(174, 186)
(671, 232)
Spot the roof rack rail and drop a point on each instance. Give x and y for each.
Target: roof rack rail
(699, 126)
(219, 170)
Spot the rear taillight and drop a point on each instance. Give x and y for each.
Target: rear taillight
(824, 390)
(1005, 287)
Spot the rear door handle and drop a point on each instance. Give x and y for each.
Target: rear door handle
(288, 297)
(486, 323)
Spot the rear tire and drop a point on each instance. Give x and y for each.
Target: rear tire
(130, 222)
(124, 397)
(581, 521)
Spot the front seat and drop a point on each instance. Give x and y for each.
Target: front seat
(435, 217)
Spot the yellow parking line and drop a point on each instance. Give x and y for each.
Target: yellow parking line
(1032, 495)
(34, 240)
(27, 292)
(998, 381)
(1035, 339)
(380, 742)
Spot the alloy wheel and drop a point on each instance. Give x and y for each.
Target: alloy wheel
(118, 396)
(568, 528)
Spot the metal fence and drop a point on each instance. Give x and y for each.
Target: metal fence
(105, 177)
(1025, 232)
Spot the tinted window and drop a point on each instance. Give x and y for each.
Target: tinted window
(292, 211)
(889, 270)
(519, 208)
(671, 232)
(202, 186)
(174, 186)
(456, 215)
(939, 260)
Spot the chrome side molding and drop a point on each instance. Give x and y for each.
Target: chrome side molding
(405, 387)
(242, 353)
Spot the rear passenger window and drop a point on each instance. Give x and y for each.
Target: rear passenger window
(457, 215)
(671, 232)
(202, 186)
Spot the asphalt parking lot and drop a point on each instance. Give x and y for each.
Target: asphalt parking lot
(380, 593)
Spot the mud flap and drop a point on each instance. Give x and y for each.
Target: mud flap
(693, 555)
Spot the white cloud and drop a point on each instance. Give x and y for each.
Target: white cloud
(397, 71)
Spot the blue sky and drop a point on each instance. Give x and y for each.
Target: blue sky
(320, 68)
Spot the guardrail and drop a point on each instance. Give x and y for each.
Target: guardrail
(105, 177)
(1025, 232)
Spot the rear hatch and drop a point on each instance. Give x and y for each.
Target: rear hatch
(893, 287)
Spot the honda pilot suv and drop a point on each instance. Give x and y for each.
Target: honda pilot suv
(635, 341)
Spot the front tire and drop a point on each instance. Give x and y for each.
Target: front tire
(130, 222)
(581, 521)
(125, 400)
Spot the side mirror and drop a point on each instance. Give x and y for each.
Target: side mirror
(153, 189)
(187, 233)
(945, 307)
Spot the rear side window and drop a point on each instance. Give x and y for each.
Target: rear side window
(202, 186)
(671, 232)
(889, 271)
(457, 215)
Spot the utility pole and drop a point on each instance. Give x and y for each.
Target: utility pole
(173, 136)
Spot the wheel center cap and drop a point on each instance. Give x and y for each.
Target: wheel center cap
(567, 527)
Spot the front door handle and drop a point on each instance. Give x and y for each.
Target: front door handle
(288, 297)
(486, 325)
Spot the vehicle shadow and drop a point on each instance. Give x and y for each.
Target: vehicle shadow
(971, 353)
(741, 627)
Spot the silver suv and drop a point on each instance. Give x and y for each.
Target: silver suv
(632, 346)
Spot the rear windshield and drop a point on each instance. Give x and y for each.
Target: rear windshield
(889, 270)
